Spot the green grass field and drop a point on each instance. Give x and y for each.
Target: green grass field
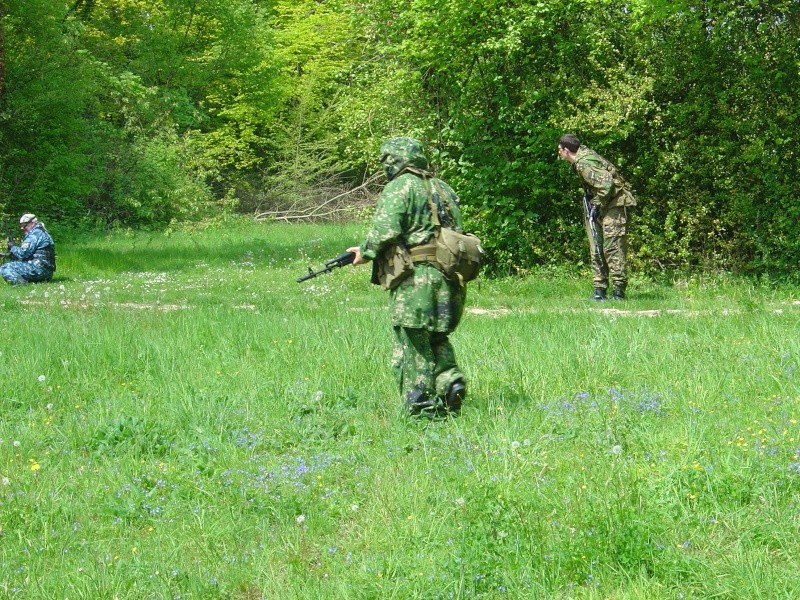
(181, 419)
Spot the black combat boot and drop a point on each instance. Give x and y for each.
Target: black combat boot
(455, 396)
(419, 403)
(599, 294)
(619, 293)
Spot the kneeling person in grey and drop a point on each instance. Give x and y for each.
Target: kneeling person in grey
(34, 260)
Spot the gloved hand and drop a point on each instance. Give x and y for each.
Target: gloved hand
(594, 214)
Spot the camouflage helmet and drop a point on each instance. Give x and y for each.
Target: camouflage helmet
(402, 152)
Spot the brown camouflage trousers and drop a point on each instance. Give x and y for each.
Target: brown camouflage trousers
(611, 262)
(423, 361)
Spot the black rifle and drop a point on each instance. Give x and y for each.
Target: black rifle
(344, 259)
(587, 207)
(445, 220)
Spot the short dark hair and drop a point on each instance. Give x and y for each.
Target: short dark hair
(570, 141)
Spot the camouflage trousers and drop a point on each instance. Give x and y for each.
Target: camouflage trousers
(19, 272)
(611, 262)
(423, 362)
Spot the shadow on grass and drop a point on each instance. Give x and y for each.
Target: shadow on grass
(647, 295)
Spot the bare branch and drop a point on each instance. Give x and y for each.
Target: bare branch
(304, 206)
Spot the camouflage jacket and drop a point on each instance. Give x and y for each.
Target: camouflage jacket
(605, 186)
(403, 215)
(37, 247)
(426, 299)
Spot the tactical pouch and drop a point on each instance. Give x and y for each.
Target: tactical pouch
(393, 266)
(459, 256)
(622, 192)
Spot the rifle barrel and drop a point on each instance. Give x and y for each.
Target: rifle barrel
(344, 259)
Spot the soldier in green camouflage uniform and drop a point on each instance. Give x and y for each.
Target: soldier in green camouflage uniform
(611, 200)
(424, 306)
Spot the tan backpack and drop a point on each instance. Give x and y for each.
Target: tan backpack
(459, 256)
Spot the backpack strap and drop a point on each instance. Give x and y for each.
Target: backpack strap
(441, 209)
(431, 205)
(427, 177)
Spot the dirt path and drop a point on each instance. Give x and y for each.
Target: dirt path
(792, 306)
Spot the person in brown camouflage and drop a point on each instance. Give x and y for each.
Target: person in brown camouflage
(424, 306)
(611, 201)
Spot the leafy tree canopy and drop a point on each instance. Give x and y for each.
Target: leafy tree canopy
(141, 113)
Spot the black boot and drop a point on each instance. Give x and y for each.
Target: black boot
(418, 402)
(619, 293)
(599, 294)
(455, 396)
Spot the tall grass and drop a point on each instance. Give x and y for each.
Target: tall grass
(180, 419)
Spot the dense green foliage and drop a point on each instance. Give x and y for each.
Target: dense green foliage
(140, 113)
